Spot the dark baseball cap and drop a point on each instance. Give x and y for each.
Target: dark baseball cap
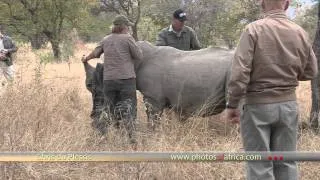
(180, 15)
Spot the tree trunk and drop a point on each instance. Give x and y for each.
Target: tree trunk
(314, 115)
(135, 32)
(56, 49)
(229, 43)
(37, 41)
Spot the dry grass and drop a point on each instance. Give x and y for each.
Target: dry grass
(47, 109)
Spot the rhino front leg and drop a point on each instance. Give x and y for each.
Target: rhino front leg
(154, 111)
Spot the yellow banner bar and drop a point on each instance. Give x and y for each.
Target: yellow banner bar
(157, 156)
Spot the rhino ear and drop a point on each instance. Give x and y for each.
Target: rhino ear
(89, 75)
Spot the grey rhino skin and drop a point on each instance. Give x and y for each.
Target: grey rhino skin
(192, 83)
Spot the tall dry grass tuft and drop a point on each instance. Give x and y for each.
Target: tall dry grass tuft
(48, 107)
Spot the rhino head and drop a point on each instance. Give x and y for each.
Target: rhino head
(94, 84)
(89, 75)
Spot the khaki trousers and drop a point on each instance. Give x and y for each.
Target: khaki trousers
(6, 71)
(6, 76)
(270, 127)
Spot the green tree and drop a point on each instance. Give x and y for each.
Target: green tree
(232, 18)
(17, 24)
(129, 8)
(307, 19)
(43, 18)
(95, 25)
(216, 22)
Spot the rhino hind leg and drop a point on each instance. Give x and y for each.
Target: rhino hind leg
(154, 112)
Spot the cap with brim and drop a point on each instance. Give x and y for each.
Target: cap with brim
(122, 20)
(180, 15)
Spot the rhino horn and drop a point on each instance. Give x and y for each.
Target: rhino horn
(89, 75)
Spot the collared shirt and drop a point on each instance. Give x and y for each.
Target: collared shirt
(172, 30)
(273, 54)
(185, 40)
(275, 13)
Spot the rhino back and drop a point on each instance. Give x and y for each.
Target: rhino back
(188, 80)
(197, 82)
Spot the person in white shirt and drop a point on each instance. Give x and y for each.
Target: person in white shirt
(7, 48)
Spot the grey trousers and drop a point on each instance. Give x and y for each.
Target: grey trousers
(270, 127)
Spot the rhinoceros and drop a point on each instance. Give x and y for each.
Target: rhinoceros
(191, 83)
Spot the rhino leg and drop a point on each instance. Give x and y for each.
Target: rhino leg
(154, 111)
(94, 84)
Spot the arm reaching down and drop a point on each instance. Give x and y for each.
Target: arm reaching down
(241, 68)
(311, 67)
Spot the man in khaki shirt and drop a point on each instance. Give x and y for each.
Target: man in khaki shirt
(119, 78)
(272, 56)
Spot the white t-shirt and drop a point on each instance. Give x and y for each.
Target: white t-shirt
(177, 33)
(1, 44)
